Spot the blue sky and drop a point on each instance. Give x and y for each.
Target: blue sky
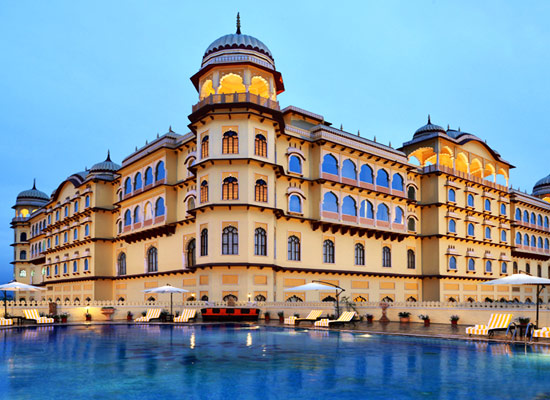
(78, 78)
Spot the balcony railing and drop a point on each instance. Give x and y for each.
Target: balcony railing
(237, 98)
(463, 175)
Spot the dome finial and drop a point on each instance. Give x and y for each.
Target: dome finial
(238, 23)
(108, 156)
(429, 119)
(34, 184)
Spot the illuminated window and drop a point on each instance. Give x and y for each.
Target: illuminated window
(260, 191)
(260, 146)
(205, 147)
(230, 188)
(230, 143)
(204, 191)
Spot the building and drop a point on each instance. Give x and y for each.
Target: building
(256, 199)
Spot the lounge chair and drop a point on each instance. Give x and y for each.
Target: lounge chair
(152, 313)
(497, 322)
(540, 333)
(32, 315)
(6, 321)
(313, 316)
(345, 318)
(186, 315)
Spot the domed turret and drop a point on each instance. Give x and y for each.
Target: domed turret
(106, 166)
(428, 129)
(542, 187)
(29, 200)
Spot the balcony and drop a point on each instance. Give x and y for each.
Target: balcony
(441, 168)
(237, 98)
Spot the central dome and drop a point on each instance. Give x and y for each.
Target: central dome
(238, 41)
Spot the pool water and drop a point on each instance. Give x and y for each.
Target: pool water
(251, 362)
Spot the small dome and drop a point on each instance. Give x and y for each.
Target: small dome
(32, 197)
(105, 166)
(428, 128)
(238, 41)
(542, 187)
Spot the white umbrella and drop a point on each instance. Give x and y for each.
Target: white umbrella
(522, 279)
(166, 289)
(15, 286)
(319, 285)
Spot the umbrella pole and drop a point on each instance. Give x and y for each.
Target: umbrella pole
(337, 304)
(539, 289)
(5, 303)
(171, 313)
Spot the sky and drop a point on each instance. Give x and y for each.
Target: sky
(79, 78)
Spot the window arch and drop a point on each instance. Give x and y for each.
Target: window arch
(411, 193)
(330, 164)
(349, 206)
(230, 240)
(452, 263)
(539, 243)
(260, 145)
(503, 236)
(205, 146)
(127, 190)
(147, 211)
(137, 215)
(487, 205)
(349, 170)
(204, 242)
(386, 257)
(525, 216)
(190, 203)
(487, 233)
(204, 191)
(330, 202)
(383, 213)
(75, 266)
(137, 181)
(503, 209)
(260, 191)
(160, 172)
(539, 271)
(533, 241)
(148, 176)
(452, 195)
(533, 218)
(503, 268)
(294, 164)
(515, 267)
(527, 268)
(152, 259)
(230, 143)
(546, 222)
(399, 216)
(294, 203)
(366, 174)
(23, 237)
(382, 178)
(294, 248)
(260, 242)
(488, 266)
(470, 200)
(86, 264)
(471, 264)
(546, 244)
(411, 224)
(359, 254)
(191, 253)
(411, 259)
(397, 182)
(366, 210)
(121, 264)
(230, 188)
(328, 251)
(159, 207)
(518, 214)
(452, 226)
(23, 255)
(127, 218)
(75, 206)
(471, 229)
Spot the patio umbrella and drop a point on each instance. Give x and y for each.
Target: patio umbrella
(167, 289)
(319, 285)
(15, 286)
(523, 279)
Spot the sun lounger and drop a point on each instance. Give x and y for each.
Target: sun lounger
(186, 315)
(497, 322)
(152, 313)
(6, 321)
(345, 318)
(313, 316)
(541, 333)
(32, 315)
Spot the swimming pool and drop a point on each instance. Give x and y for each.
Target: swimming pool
(251, 362)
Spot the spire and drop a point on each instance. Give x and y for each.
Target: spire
(238, 24)
(170, 129)
(429, 119)
(108, 156)
(34, 184)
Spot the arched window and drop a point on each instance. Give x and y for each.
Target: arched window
(159, 207)
(398, 216)
(204, 242)
(359, 254)
(152, 259)
(137, 215)
(330, 164)
(526, 240)
(349, 207)
(539, 271)
(160, 172)
(471, 264)
(487, 205)
(452, 263)
(230, 240)
(127, 190)
(121, 264)
(75, 267)
(260, 242)
(260, 191)
(411, 259)
(397, 182)
(328, 251)
(86, 264)
(383, 213)
(76, 206)
(382, 178)
(503, 209)
(75, 234)
(540, 243)
(294, 164)
(293, 248)
(205, 147)
(138, 181)
(488, 266)
(470, 201)
(260, 146)
(503, 268)
(386, 257)
(515, 267)
(525, 216)
(366, 174)
(533, 218)
(487, 233)
(518, 214)
(411, 224)
(452, 195)
(349, 170)
(204, 191)
(148, 176)
(190, 204)
(533, 241)
(127, 218)
(191, 253)
(23, 255)
(66, 213)
(546, 244)
(330, 202)
(411, 193)
(366, 210)
(119, 227)
(546, 222)
(230, 188)
(471, 229)
(295, 203)
(527, 268)
(230, 143)
(452, 226)
(23, 237)
(503, 236)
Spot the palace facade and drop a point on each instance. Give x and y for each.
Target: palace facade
(256, 199)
